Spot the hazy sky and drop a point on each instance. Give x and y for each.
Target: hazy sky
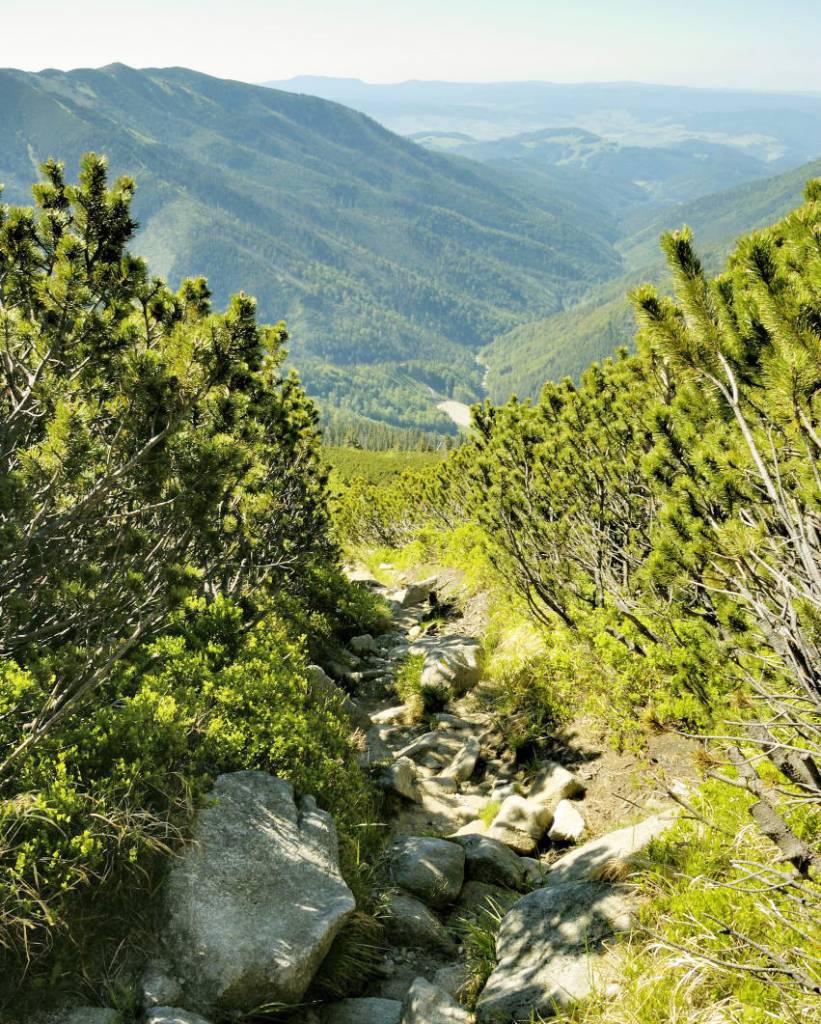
(768, 44)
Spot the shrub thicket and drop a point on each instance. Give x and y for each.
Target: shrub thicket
(164, 552)
(662, 520)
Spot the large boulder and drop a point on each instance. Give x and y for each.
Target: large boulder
(428, 1004)
(549, 949)
(487, 860)
(432, 869)
(368, 1010)
(254, 903)
(444, 745)
(611, 854)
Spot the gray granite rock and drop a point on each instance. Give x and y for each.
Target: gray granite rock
(488, 860)
(254, 903)
(614, 850)
(171, 1015)
(428, 1004)
(431, 869)
(408, 922)
(568, 824)
(549, 946)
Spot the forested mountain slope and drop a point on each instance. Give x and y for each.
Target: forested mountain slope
(564, 343)
(390, 264)
(719, 218)
(674, 172)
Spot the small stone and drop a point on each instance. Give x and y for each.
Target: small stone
(452, 978)
(520, 823)
(401, 777)
(167, 1015)
(159, 987)
(462, 766)
(472, 828)
(445, 744)
(552, 784)
(440, 784)
(448, 721)
(411, 595)
(568, 824)
(364, 644)
(390, 716)
(534, 872)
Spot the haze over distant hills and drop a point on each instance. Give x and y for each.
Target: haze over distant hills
(675, 172)
(770, 126)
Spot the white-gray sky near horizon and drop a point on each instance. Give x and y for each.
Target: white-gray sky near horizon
(751, 44)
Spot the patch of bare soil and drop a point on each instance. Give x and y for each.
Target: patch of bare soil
(621, 785)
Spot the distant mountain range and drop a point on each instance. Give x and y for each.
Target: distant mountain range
(673, 173)
(767, 126)
(401, 269)
(391, 264)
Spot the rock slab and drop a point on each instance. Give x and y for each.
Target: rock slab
(253, 905)
(549, 946)
(618, 848)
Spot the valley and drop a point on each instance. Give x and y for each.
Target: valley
(396, 262)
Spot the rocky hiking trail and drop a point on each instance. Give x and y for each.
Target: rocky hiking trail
(448, 862)
(253, 906)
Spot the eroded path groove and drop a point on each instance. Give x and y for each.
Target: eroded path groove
(473, 836)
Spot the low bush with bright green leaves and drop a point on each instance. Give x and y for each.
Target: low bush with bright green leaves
(117, 785)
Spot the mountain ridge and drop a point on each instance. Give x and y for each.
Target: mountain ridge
(385, 260)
